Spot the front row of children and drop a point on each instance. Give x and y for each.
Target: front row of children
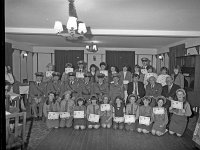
(114, 114)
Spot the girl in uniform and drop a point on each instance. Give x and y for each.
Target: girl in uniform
(51, 105)
(131, 109)
(145, 111)
(80, 122)
(178, 121)
(118, 111)
(106, 116)
(67, 105)
(160, 120)
(93, 108)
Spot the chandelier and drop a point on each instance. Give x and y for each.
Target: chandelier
(92, 48)
(75, 29)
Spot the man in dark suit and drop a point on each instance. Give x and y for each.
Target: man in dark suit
(136, 87)
(37, 93)
(169, 91)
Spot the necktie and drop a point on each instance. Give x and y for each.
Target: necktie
(169, 88)
(132, 109)
(93, 109)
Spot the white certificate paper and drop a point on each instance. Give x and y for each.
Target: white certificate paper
(93, 118)
(129, 118)
(67, 70)
(105, 107)
(23, 89)
(49, 73)
(119, 119)
(176, 104)
(105, 72)
(78, 114)
(53, 115)
(158, 110)
(144, 71)
(125, 81)
(79, 75)
(64, 115)
(144, 120)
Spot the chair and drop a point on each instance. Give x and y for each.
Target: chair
(15, 135)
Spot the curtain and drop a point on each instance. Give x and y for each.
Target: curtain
(70, 56)
(120, 58)
(8, 54)
(174, 52)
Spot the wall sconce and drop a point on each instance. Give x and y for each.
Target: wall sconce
(24, 54)
(91, 48)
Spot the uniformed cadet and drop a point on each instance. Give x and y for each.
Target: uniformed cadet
(81, 68)
(100, 87)
(116, 88)
(145, 63)
(65, 76)
(103, 67)
(48, 74)
(37, 92)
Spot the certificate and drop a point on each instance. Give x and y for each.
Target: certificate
(158, 110)
(119, 119)
(105, 72)
(49, 73)
(144, 120)
(67, 70)
(176, 104)
(125, 82)
(105, 107)
(129, 118)
(144, 71)
(53, 115)
(64, 115)
(23, 89)
(78, 114)
(79, 74)
(93, 118)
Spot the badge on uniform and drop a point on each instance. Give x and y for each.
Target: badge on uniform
(144, 120)
(53, 115)
(105, 72)
(67, 70)
(78, 114)
(49, 73)
(129, 118)
(158, 110)
(176, 104)
(93, 118)
(119, 119)
(105, 107)
(64, 115)
(79, 75)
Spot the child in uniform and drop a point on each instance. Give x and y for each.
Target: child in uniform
(118, 111)
(179, 116)
(80, 122)
(145, 111)
(160, 120)
(106, 116)
(67, 105)
(131, 109)
(51, 105)
(93, 108)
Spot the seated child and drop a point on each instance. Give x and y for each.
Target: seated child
(160, 119)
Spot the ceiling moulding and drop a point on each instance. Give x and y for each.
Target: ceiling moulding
(109, 32)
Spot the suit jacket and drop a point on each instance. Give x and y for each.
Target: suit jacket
(141, 89)
(179, 80)
(55, 87)
(127, 77)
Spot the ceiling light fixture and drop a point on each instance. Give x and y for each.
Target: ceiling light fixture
(75, 29)
(92, 48)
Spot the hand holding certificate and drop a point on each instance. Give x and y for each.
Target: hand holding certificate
(158, 110)
(105, 107)
(125, 81)
(105, 72)
(79, 74)
(23, 89)
(144, 120)
(67, 70)
(64, 115)
(176, 104)
(49, 73)
(129, 118)
(53, 115)
(119, 119)
(78, 114)
(93, 118)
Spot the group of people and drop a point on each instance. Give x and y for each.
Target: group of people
(140, 100)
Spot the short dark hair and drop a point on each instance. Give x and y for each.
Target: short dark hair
(103, 63)
(163, 68)
(93, 65)
(137, 66)
(150, 67)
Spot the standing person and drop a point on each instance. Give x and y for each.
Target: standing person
(67, 105)
(93, 71)
(51, 105)
(145, 111)
(116, 89)
(101, 86)
(93, 108)
(65, 76)
(178, 76)
(137, 70)
(113, 70)
(81, 69)
(153, 89)
(132, 109)
(179, 117)
(48, 74)
(125, 75)
(37, 92)
(103, 70)
(143, 69)
(118, 113)
(160, 120)
(80, 122)
(162, 77)
(106, 115)
(9, 77)
(149, 74)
